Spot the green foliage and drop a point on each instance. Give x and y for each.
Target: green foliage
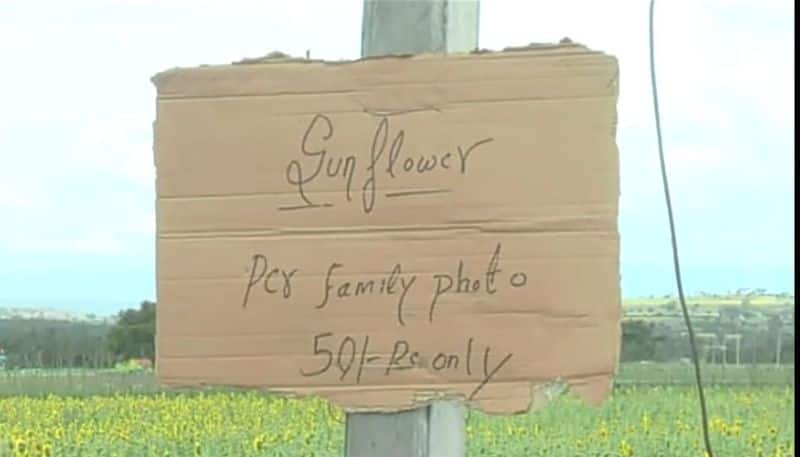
(638, 341)
(129, 366)
(133, 335)
(40, 343)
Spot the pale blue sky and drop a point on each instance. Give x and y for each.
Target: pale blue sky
(76, 110)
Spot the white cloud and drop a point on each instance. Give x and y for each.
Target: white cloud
(120, 146)
(93, 242)
(98, 242)
(703, 64)
(18, 194)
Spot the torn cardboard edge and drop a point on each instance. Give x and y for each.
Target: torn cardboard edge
(278, 57)
(593, 390)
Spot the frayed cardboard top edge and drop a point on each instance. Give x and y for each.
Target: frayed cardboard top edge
(277, 57)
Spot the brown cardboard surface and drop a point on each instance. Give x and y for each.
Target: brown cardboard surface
(394, 230)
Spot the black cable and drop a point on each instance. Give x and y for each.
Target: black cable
(675, 257)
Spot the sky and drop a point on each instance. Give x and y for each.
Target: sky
(77, 180)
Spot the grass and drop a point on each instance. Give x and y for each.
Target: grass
(713, 374)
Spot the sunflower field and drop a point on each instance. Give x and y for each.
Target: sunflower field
(636, 421)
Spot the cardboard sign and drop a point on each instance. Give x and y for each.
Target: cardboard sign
(390, 231)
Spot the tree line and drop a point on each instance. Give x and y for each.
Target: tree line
(36, 343)
(40, 343)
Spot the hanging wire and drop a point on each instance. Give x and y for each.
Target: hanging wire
(675, 258)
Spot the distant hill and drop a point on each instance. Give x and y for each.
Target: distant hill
(27, 313)
(745, 297)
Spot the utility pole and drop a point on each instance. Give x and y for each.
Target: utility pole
(776, 327)
(413, 27)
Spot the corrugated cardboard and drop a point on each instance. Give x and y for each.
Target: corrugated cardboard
(389, 231)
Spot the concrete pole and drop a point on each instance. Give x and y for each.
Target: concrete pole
(413, 27)
(419, 26)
